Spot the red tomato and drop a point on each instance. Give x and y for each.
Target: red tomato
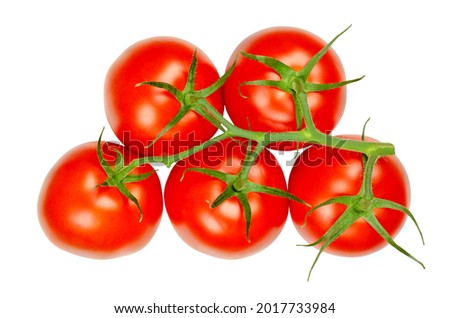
(138, 114)
(322, 173)
(270, 109)
(97, 222)
(221, 231)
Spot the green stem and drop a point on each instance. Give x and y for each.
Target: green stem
(310, 134)
(366, 190)
(169, 160)
(301, 102)
(250, 159)
(317, 137)
(263, 139)
(216, 114)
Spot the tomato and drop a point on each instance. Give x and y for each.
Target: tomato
(221, 231)
(138, 114)
(269, 109)
(97, 222)
(321, 173)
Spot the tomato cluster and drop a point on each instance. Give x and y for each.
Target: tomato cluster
(226, 195)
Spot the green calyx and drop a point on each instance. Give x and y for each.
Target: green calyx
(190, 99)
(296, 82)
(363, 206)
(357, 208)
(119, 174)
(239, 186)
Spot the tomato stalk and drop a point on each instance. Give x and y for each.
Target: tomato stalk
(296, 84)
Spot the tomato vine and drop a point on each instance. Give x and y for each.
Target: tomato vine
(297, 85)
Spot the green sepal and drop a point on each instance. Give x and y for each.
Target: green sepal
(189, 87)
(205, 92)
(268, 83)
(242, 197)
(282, 69)
(306, 70)
(163, 85)
(123, 189)
(382, 203)
(345, 200)
(342, 223)
(119, 164)
(175, 119)
(106, 167)
(225, 177)
(137, 177)
(316, 87)
(373, 221)
(259, 188)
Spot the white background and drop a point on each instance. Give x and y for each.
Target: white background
(53, 59)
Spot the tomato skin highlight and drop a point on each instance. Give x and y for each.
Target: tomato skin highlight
(97, 222)
(138, 114)
(321, 173)
(269, 109)
(220, 231)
